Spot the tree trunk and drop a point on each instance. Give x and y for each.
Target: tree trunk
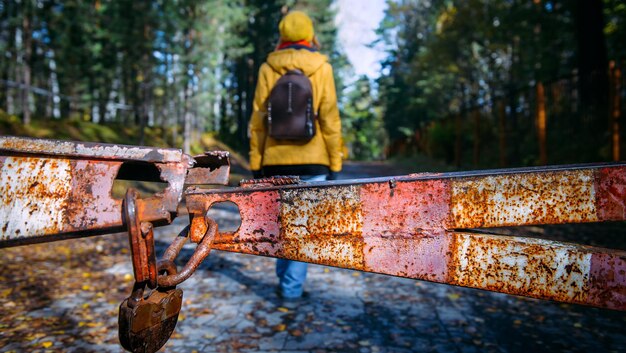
(187, 121)
(458, 138)
(7, 72)
(502, 133)
(476, 119)
(146, 85)
(27, 41)
(541, 124)
(614, 116)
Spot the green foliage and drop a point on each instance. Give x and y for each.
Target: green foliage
(453, 57)
(78, 130)
(168, 69)
(362, 123)
(615, 29)
(454, 54)
(438, 146)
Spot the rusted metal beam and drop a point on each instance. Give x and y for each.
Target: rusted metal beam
(420, 226)
(412, 227)
(89, 150)
(210, 168)
(52, 190)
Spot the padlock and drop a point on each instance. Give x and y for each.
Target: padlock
(145, 324)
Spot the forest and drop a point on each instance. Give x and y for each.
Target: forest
(476, 83)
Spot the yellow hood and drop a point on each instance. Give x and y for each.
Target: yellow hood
(284, 60)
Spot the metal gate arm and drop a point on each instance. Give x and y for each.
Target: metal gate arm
(53, 189)
(411, 227)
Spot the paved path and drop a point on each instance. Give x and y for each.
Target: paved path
(63, 297)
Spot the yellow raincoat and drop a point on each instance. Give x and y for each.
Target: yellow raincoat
(325, 148)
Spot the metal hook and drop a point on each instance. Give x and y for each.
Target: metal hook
(141, 239)
(202, 251)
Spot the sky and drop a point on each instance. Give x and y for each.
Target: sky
(357, 20)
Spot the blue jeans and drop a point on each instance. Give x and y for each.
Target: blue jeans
(292, 274)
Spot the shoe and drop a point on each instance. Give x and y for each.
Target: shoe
(305, 295)
(292, 302)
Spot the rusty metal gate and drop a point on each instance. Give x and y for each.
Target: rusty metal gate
(432, 227)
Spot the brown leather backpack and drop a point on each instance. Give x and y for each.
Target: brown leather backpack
(290, 114)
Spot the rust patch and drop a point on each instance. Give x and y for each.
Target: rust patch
(521, 199)
(198, 228)
(611, 193)
(323, 225)
(423, 258)
(259, 232)
(531, 267)
(174, 175)
(343, 251)
(608, 280)
(90, 204)
(34, 192)
(212, 167)
(405, 209)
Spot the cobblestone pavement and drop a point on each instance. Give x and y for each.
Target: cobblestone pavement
(63, 297)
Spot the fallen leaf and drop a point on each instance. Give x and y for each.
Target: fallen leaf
(46, 344)
(296, 333)
(282, 309)
(5, 293)
(32, 337)
(453, 296)
(279, 328)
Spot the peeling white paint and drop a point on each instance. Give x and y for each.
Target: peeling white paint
(33, 192)
(533, 267)
(107, 151)
(321, 211)
(556, 197)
